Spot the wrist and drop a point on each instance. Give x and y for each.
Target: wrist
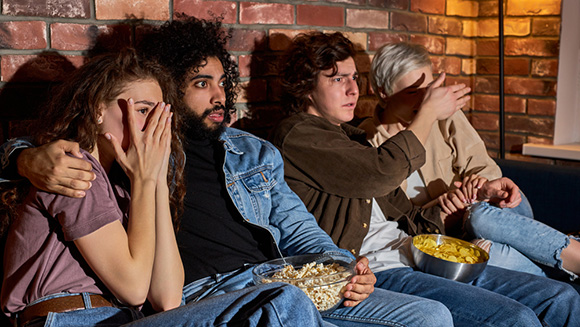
(143, 183)
(426, 115)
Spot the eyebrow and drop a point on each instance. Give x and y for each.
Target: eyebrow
(149, 103)
(342, 74)
(206, 77)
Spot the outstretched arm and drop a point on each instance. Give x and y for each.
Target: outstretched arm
(49, 168)
(440, 102)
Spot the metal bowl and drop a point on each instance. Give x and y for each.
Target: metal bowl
(326, 291)
(462, 272)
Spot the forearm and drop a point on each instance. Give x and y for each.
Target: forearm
(422, 124)
(167, 276)
(141, 235)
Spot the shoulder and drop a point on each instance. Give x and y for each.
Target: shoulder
(457, 119)
(245, 141)
(301, 125)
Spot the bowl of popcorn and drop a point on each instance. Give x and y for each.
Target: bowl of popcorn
(321, 276)
(448, 257)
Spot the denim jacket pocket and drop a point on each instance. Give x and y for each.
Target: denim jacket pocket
(258, 183)
(258, 180)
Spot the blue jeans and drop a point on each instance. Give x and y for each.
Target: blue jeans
(519, 242)
(273, 304)
(498, 297)
(101, 317)
(382, 308)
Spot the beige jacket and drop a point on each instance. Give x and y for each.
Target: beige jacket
(454, 150)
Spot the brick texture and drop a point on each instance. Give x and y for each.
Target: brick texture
(266, 13)
(145, 9)
(319, 15)
(390, 4)
(534, 8)
(464, 8)
(47, 8)
(445, 26)
(542, 107)
(408, 22)
(359, 18)
(546, 27)
(11, 36)
(207, 9)
(428, 6)
(42, 41)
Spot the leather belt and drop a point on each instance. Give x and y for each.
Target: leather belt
(60, 304)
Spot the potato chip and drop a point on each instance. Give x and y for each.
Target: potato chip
(450, 250)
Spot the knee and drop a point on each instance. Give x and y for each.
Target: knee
(476, 219)
(518, 315)
(425, 312)
(565, 300)
(438, 315)
(292, 297)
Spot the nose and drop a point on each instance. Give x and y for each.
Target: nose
(218, 96)
(352, 87)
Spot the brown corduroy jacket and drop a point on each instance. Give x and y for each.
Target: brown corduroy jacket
(337, 173)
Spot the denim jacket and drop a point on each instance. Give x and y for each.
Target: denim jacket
(7, 168)
(254, 175)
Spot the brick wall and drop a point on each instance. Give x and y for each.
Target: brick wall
(42, 41)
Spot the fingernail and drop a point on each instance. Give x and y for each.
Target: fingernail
(131, 100)
(80, 194)
(108, 136)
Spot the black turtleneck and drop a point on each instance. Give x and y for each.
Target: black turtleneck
(213, 238)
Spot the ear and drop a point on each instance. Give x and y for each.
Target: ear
(100, 114)
(383, 97)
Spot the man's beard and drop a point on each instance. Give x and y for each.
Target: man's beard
(196, 129)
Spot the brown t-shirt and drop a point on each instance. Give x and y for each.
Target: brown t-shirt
(40, 257)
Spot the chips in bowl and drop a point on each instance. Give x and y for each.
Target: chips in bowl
(448, 257)
(454, 250)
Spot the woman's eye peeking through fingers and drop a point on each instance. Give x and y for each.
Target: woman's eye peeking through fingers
(144, 111)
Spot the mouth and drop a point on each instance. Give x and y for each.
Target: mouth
(216, 116)
(350, 105)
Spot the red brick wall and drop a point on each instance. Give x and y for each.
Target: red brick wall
(41, 41)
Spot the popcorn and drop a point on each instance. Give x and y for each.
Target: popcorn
(322, 283)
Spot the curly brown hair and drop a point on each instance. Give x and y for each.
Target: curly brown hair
(73, 111)
(308, 55)
(183, 46)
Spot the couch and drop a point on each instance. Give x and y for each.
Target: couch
(553, 191)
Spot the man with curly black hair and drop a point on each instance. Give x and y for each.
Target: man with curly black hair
(190, 48)
(238, 210)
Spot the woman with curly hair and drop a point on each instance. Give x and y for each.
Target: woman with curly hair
(82, 261)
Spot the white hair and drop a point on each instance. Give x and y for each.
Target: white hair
(394, 60)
